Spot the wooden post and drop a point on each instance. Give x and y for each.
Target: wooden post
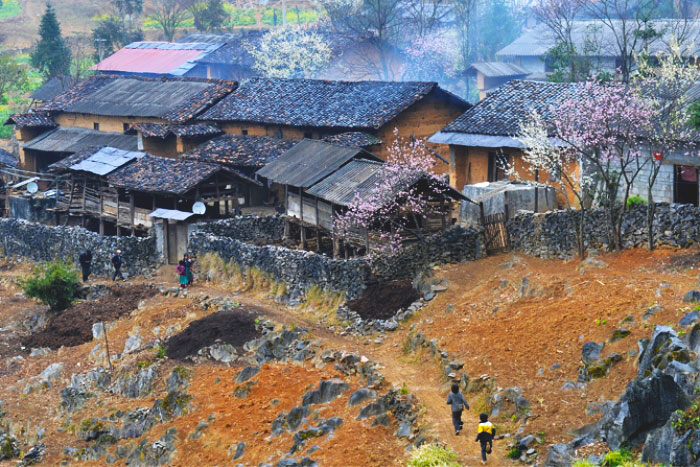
(119, 229)
(481, 212)
(442, 213)
(102, 219)
(218, 195)
(336, 246)
(84, 196)
(301, 215)
(367, 240)
(505, 203)
(132, 213)
(318, 227)
(165, 241)
(537, 179)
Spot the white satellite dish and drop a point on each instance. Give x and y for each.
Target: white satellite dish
(32, 187)
(199, 208)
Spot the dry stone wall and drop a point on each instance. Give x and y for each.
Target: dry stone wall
(38, 242)
(302, 269)
(552, 235)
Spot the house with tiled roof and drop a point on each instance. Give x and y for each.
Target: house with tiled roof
(114, 104)
(317, 109)
(483, 140)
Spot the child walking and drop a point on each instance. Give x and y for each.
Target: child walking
(458, 402)
(182, 272)
(485, 436)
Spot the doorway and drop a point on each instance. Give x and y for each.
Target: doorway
(498, 163)
(685, 184)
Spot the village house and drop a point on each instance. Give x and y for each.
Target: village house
(483, 141)
(110, 190)
(321, 179)
(103, 108)
(317, 109)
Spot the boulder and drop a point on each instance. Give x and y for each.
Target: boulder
(619, 334)
(328, 390)
(591, 352)
(246, 373)
(132, 344)
(52, 372)
(240, 450)
(645, 405)
(404, 430)
(361, 395)
(691, 296)
(689, 318)
(559, 455)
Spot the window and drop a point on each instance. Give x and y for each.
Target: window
(126, 127)
(96, 126)
(244, 132)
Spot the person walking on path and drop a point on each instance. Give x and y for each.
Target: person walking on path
(485, 436)
(188, 269)
(181, 271)
(459, 403)
(117, 263)
(85, 260)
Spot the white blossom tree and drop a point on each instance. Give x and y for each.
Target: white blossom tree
(291, 52)
(663, 86)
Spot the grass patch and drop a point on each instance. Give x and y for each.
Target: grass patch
(9, 9)
(5, 130)
(432, 455)
(618, 458)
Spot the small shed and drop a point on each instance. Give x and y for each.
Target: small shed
(505, 197)
(298, 169)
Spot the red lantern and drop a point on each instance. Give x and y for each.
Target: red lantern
(658, 155)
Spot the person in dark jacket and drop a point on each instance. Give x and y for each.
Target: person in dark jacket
(485, 436)
(85, 260)
(459, 403)
(117, 263)
(189, 261)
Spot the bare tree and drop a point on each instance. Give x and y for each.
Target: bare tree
(169, 14)
(375, 23)
(82, 58)
(426, 15)
(630, 25)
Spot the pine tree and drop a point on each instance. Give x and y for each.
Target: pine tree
(51, 55)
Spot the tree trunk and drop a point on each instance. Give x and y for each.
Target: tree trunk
(651, 207)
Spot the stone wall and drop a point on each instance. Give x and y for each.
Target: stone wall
(302, 269)
(38, 242)
(245, 228)
(551, 234)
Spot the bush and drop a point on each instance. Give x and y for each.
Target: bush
(617, 458)
(581, 463)
(432, 455)
(634, 201)
(54, 283)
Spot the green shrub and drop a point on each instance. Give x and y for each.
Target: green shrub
(634, 201)
(513, 454)
(54, 283)
(432, 455)
(581, 463)
(617, 458)
(162, 351)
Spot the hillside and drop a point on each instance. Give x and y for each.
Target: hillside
(512, 321)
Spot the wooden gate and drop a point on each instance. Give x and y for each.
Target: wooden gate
(495, 232)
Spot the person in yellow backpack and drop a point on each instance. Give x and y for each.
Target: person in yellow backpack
(485, 436)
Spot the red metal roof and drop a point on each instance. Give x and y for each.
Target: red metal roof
(150, 60)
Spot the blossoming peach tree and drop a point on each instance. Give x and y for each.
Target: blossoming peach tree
(594, 140)
(404, 193)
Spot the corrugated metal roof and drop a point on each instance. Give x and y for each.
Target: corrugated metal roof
(71, 140)
(53, 88)
(8, 159)
(106, 160)
(156, 57)
(309, 162)
(171, 214)
(341, 187)
(499, 69)
(360, 178)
